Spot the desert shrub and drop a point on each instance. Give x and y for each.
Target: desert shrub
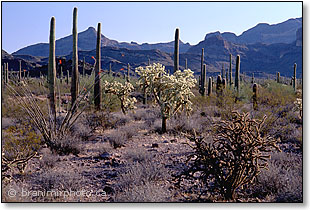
(283, 180)
(138, 155)
(48, 160)
(19, 145)
(234, 159)
(7, 122)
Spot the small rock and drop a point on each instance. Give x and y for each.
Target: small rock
(173, 140)
(108, 189)
(104, 156)
(155, 145)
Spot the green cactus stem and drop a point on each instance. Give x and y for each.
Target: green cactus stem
(84, 67)
(252, 78)
(202, 62)
(149, 62)
(128, 72)
(61, 74)
(20, 71)
(52, 69)
(75, 64)
(210, 86)
(97, 88)
(294, 78)
(224, 83)
(68, 75)
(230, 70)
(255, 93)
(219, 86)
(176, 50)
(202, 89)
(278, 77)
(237, 75)
(185, 63)
(110, 69)
(7, 73)
(222, 71)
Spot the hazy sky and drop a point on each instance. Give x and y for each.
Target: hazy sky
(26, 23)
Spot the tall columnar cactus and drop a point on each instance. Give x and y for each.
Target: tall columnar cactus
(255, 92)
(219, 86)
(128, 72)
(202, 61)
(185, 63)
(7, 73)
(202, 89)
(84, 67)
(278, 77)
(224, 83)
(222, 72)
(97, 89)
(20, 71)
(75, 64)
(210, 86)
(176, 50)
(230, 70)
(227, 77)
(252, 78)
(61, 74)
(52, 70)
(68, 75)
(4, 73)
(237, 75)
(294, 78)
(149, 62)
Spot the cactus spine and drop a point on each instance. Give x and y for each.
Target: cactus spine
(97, 89)
(237, 76)
(210, 86)
(202, 89)
(230, 70)
(294, 77)
(20, 71)
(176, 50)
(278, 77)
(52, 69)
(75, 64)
(255, 91)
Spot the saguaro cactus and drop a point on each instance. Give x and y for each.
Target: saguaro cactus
(52, 69)
(4, 73)
(210, 86)
(185, 63)
(202, 89)
(68, 75)
(20, 71)
(84, 67)
(219, 86)
(75, 64)
(202, 61)
(230, 70)
(110, 69)
(224, 83)
(255, 91)
(294, 77)
(278, 77)
(237, 76)
(7, 73)
(128, 72)
(176, 50)
(252, 78)
(97, 89)
(222, 72)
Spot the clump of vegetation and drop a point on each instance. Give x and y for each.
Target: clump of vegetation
(235, 158)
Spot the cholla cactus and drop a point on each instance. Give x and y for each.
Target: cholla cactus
(171, 92)
(122, 91)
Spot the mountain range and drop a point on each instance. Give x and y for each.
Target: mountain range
(264, 49)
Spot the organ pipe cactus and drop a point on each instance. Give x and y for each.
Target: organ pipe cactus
(97, 89)
(237, 75)
(75, 65)
(294, 78)
(255, 91)
(278, 77)
(176, 50)
(224, 83)
(84, 67)
(252, 78)
(202, 61)
(110, 69)
(52, 70)
(68, 75)
(185, 63)
(7, 73)
(219, 85)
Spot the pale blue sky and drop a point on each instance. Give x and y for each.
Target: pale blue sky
(26, 23)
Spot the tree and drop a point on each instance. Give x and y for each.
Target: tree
(171, 92)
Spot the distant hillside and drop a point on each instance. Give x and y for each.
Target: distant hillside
(87, 41)
(284, 32)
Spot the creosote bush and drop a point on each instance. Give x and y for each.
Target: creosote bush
(235, 158)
